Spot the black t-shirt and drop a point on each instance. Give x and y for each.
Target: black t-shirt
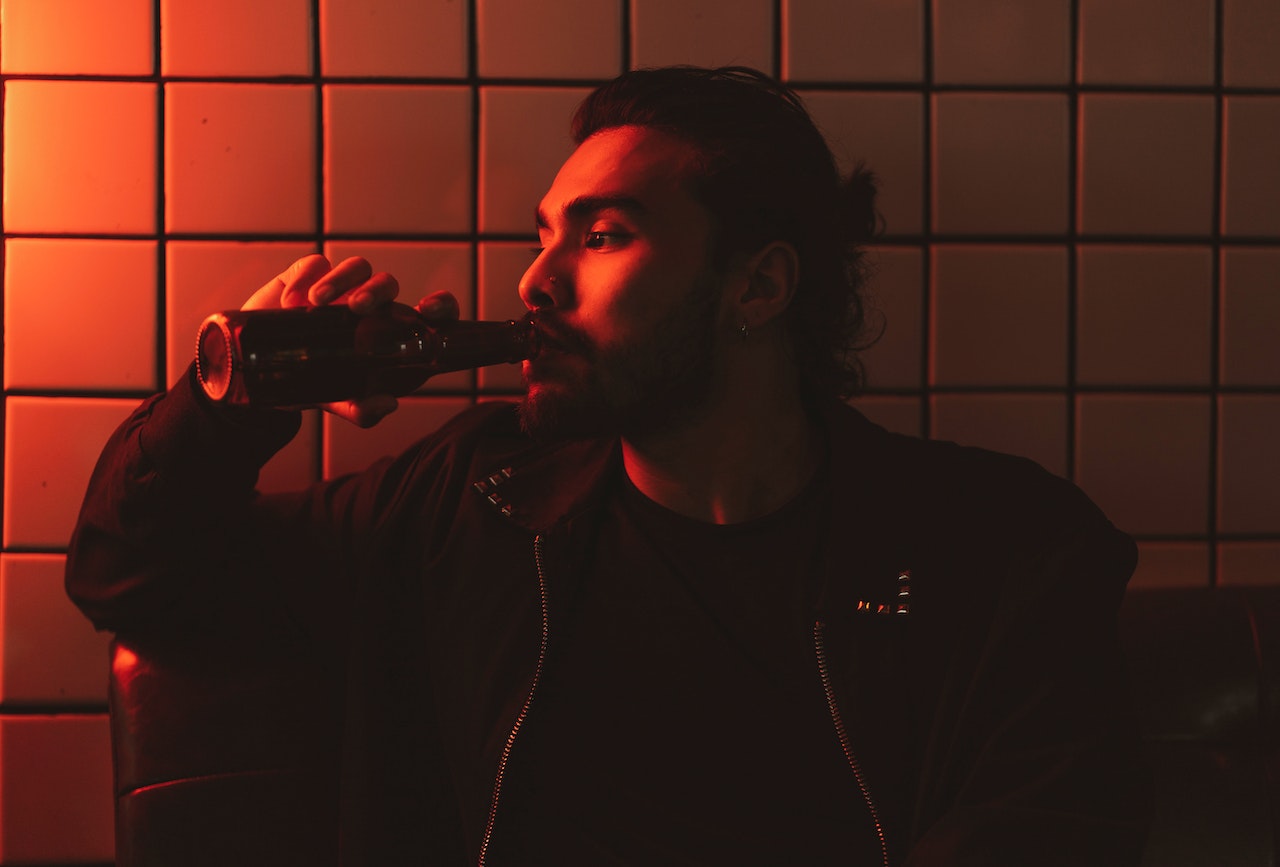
(681, 717)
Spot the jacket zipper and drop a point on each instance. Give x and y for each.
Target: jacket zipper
(843, 734)
(524, 711)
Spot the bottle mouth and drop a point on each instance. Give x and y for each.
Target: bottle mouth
(214, 357)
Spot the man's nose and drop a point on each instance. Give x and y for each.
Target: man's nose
(540, 287)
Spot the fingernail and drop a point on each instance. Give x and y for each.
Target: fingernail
(322, 293)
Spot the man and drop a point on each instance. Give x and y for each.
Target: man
(683, 606)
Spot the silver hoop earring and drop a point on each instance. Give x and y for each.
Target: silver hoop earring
(551, 280)
(744, 332)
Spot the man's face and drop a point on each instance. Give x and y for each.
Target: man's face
(626, 298)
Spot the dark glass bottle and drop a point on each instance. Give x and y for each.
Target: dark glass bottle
(309, 355)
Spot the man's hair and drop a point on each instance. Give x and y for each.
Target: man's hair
(766, 174)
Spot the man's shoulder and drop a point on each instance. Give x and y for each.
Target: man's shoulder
(968, 487)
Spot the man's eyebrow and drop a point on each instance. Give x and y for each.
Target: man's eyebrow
(584, 206)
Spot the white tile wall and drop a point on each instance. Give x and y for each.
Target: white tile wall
(82, 341)
(213, 143)
(524, 137)
(235, 37)
(108, 39)
(49, 653)
(1132, 181)
(999, 315)
(1119, 342)
(703, 32)
(549, 39)
(397, 159)
(79, 156)
(239, 158)
(57, 786)
(1146, 42)
(1024, 43)
(1000, 165)
(853, 40)
(425, 38)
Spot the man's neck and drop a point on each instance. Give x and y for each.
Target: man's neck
(741, 459)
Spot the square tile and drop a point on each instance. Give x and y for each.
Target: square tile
(1144, 315)
(896, 413)
(100, 333)
(501, 267)
(1144, 459)
(1146, 42)
(1146, 164)
(1248, 464)
(1000, 163)
(1171, 564)
(524, 137)
(107, 39)
(51, 447)
(49, 652)
(1028, 425)
(895, 301)
(1249, 350)
(392, 38)
(349, 449)
(885, 131)
(240, 158)
(702, 32)
(235, 37)
(79, 156)
(1001, 42)
(853, 40)
(549, 39)
(1249, 564)
(1250, 33)
(999, 315)
(421, 269)
(1251, 182)
(59, 769)
(415, 178)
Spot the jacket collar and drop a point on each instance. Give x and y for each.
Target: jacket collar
(548, 485)
(545, 485)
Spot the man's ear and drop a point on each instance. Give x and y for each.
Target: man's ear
(772, 274)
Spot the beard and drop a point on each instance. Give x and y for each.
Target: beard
(654, 384)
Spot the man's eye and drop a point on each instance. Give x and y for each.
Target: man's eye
(596, 240)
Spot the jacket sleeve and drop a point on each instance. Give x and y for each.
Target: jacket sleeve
(171, 514)
(1040, 763)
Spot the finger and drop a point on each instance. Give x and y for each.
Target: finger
(438, 305)
(365, 412)
(301, 276)
(345, 276)
(281, 290)
(379, 289)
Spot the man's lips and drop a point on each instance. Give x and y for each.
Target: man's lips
(556, 339)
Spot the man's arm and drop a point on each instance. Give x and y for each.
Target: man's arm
(1044, 764)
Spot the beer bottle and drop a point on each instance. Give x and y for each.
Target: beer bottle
(302, 356)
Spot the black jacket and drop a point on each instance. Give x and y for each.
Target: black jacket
(964, 633)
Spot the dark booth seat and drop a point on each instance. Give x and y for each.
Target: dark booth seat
(226, 736)
(225, 739)
(1205, 668)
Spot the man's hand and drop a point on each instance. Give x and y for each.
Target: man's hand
(312, 281)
